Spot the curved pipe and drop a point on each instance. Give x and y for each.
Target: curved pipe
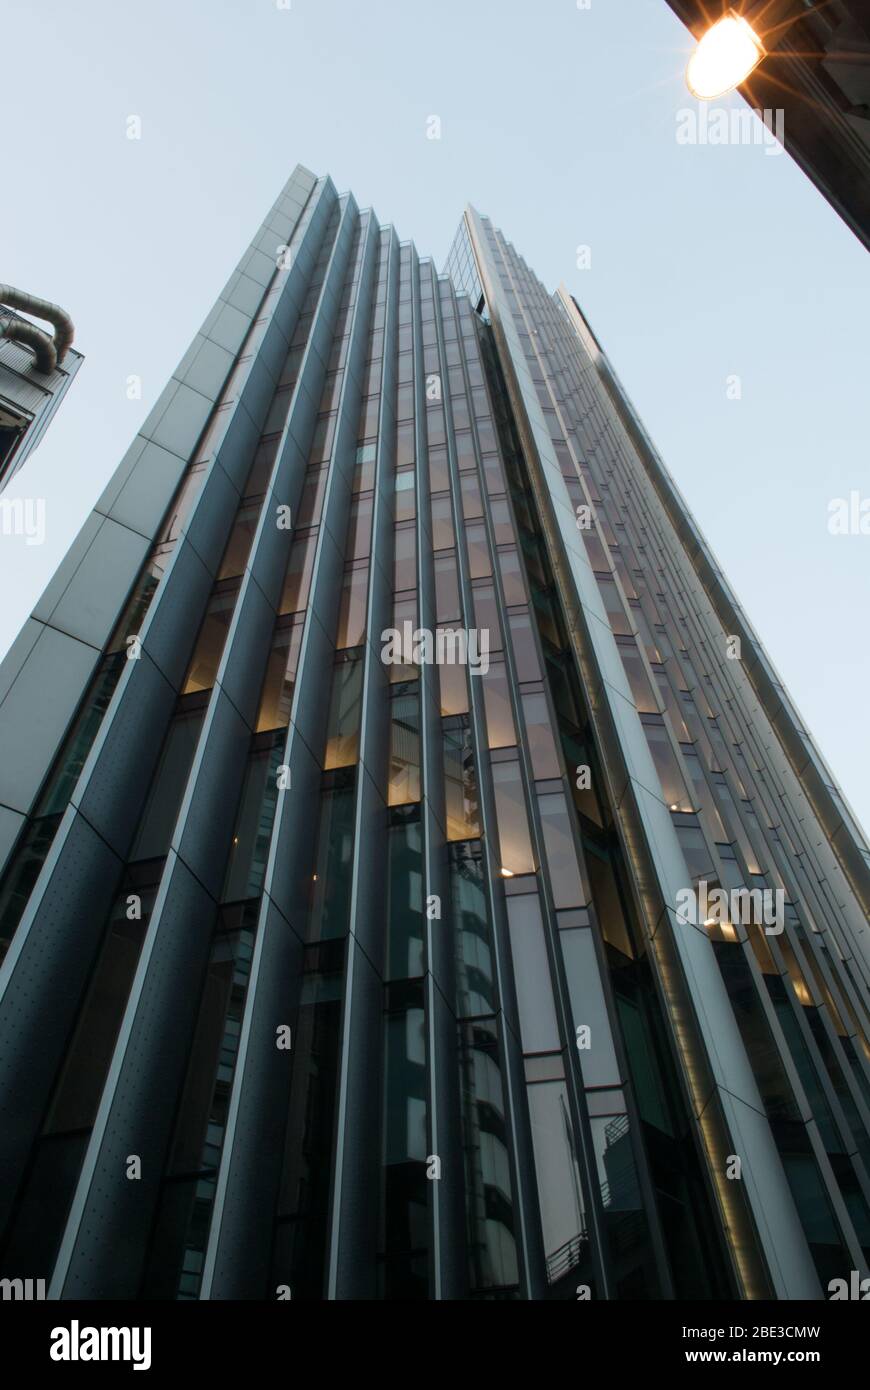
(20, 331)
(41, 309)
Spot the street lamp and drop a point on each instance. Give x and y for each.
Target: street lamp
(726, 55)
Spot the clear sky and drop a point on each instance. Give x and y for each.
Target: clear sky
(561, 123)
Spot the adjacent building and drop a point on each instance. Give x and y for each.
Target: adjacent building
(36, 369)
(373, 770)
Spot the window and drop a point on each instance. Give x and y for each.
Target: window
(460, 785)
(537, 1011)
(513, 825)
(210, 643)
(342, 743)
(566, 879)
(404, 783)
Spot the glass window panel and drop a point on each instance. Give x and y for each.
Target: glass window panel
(352, 612)
(537, 1011)
(472, 503)
(486, 617)
(404, 784)
(359, 530)
(560, 1193)
(311, 502)
(641, 690)
(249, 851)
(297, 582)
(439, 472)
(511, 577)
(460, 785)
(525, 651)
(447, 605)
(405, 559)
(589, 1008)
(405, 959)
(613, 604)
(167, 787)
(435, 432)
(454, 689)
(542, 746)
(235, 556)
(210, 643)
(364, 471)
(513, 824)
(475, 982)
(324, 430)
(499, 719)
(404, 611)
(492, 469)
(566, 878)
(502, 523)
(478, 551)
(465, 455)
(333, 877)
(673, 787)
(486, 436)
(489, 1201)
(342, 744)
(406, 502)
(608, 904)
(673, 707)
(405, 449)
(699, 860)
(443, 534)
(277, 697)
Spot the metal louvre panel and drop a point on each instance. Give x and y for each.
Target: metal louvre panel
(150, 1050)
(239, 1247)
(353, 1234)
(448, 1259)
(64, 920)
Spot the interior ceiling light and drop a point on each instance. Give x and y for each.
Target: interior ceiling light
(726, 55)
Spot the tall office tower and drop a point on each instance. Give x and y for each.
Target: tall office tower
(36, 370)
(373, 772)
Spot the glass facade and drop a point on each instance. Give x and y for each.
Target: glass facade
(369, 885)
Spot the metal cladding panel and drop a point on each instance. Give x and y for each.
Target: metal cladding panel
(124, 754)
(173, 425)
(40, 986)
(43, 694)
(111, 1217)
(353, 1271)
(292, 839)
(237, 1263)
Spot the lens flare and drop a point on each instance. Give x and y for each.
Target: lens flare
(724, 58)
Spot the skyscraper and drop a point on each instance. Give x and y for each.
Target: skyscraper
(418, 883)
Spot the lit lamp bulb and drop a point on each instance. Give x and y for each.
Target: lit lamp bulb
(724, 58)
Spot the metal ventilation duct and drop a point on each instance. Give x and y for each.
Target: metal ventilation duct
(49, 352)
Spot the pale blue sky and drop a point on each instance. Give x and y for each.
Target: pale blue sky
(557, 122)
